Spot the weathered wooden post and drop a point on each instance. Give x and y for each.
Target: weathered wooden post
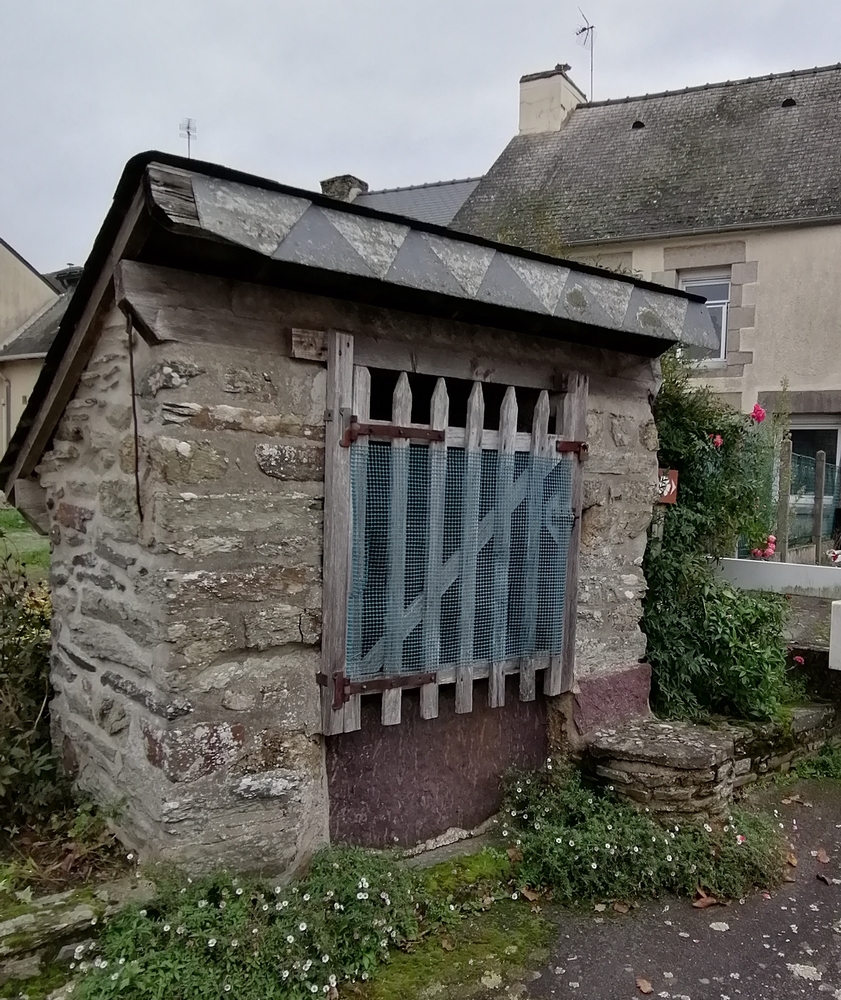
(784, 499)
(817, 524)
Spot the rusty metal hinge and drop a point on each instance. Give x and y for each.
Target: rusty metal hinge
(581, 448)
(344, 687)
(356, 430)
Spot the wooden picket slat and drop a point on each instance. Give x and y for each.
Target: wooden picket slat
(502, 544)
(337, 526)
(362, 409)
(401, 413)
(439, 417)
(469, 545)
(571, 426)
(539, 449)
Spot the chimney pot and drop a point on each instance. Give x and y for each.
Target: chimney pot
(344, 187)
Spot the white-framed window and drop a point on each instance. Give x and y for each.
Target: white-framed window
(819, 432)
(714, 285)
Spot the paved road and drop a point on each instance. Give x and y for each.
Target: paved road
(776, 945)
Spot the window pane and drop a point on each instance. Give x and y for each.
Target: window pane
(714, 291)
(698, 353)
(810, 442)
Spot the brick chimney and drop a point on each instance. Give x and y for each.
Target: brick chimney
(345, 187)
(547, 100)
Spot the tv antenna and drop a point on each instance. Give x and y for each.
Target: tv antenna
(187, 130)
(587, 34)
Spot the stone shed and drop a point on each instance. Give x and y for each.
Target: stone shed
(347, 514)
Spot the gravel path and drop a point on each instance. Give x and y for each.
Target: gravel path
(779, 944)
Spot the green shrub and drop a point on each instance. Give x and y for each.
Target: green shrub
(583, 843)
(712, 648)
(28, 771)
(251, 939)
(826, 764)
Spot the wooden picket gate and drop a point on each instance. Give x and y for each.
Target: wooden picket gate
(349, 672)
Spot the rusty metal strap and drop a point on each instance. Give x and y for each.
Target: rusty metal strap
(579, 447)
(344, 687)
(389, 431)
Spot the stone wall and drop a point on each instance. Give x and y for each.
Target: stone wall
(187, 572)
(186, 639)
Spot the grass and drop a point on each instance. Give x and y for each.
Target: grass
(21, 543)
(72, 848)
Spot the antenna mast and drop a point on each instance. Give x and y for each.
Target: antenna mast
(587, 34)
(187, 130)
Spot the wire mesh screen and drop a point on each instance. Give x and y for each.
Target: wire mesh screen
(458, 556)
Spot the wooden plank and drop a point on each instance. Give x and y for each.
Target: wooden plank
(502, 543)
(469, 546)
(172, 191)
(337, 532)
(571, 421)
(362, 406)
(439, 416)
(539, 449)
(456, 436)
(168, 305)
(817, 517)
(401, 411)
(482, 669)
(481, 354)
(311, 345)
(130, 238)
(784, 500)
(30, 498)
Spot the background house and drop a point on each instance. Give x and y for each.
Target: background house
(732, 190)
(31, 307)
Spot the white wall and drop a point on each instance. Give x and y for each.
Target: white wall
(23, 293)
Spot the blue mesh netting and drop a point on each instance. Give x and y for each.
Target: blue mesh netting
(457, 557)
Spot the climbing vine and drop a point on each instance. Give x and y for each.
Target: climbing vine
(713, 648)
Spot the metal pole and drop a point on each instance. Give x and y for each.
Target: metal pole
(817, 524)
(784, 499)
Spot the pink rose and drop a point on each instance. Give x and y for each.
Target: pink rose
(768, 553)
(772, 539)
(718, 441)
(756, 553)
(800, 660)
(757, 413)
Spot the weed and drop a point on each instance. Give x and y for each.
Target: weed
(221, 934)
(583, 843)
(826, 764)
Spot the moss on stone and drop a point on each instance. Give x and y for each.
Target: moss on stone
(38, 987)
(483, 952)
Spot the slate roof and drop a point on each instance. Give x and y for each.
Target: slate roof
(436, 203)
(36, 336)
(724, 156)
(343, 241)
(221, 221)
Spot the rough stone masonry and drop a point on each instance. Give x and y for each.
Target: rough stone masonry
(186, 524)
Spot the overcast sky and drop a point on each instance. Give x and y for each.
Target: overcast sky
(395, 91)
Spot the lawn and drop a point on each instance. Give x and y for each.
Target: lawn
(20, 542)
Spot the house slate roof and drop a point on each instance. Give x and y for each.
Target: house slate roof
(35, 337)
(725, 156)
(436, 203)
(202, 216)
